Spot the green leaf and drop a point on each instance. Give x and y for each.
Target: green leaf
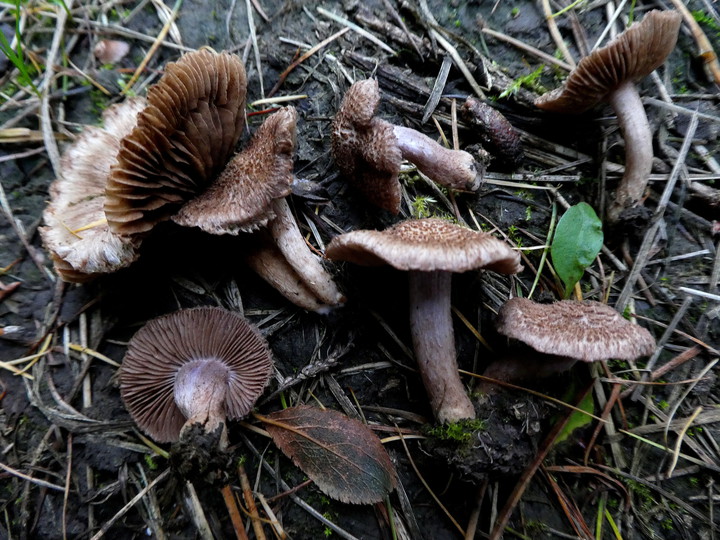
(578, 419)
(577, 241)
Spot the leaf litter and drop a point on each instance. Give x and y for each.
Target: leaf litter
(74, 465)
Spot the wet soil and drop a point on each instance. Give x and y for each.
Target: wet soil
(358, 357)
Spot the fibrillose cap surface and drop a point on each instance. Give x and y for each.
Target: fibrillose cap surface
(365, 148)
(588, 331)
(426, 245)
(631, 56)
(239, 200)
(183, 139)
(81, 244)
(158, 350)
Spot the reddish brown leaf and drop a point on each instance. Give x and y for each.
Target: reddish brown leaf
(341, 455)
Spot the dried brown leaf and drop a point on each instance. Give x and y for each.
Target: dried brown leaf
(341, 455)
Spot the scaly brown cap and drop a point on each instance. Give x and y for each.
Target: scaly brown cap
(631, 56)
(588, 331)
(183, 139)
(426, 245)
(159, 350)
(240, 199)
(365, 148)
(79, 240)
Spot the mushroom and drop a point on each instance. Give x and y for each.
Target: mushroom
(118, 181)
(250, 194)
(431, 249)
(587, 331)
(194, 366)
(369, 151)
(610, 74)
(183, 139)
(76, 233)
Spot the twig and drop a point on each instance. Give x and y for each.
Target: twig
(231, 504)
(355, 28)
(47, 130)
(250, 502)
(153, 48)
(437, 89)
(36, 481)
(555, 33)
(527, 48)
(459, 62)
(106, 527)
(304, 57)
(706, 51)
(256, 49)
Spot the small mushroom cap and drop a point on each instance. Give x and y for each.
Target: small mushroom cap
(426, 245)
(365, 148)
(75, 233)
(588, 330)
(239, 200)
(158, 350)
(183, 139)
(631, 56)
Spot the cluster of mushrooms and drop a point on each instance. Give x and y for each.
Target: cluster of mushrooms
(171, 158)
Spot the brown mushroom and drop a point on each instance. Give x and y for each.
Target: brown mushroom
(610, 74)
(151, 156)
(75, 233)
(369, 151)
(587, 331)
(183, 139)
(199, 365)
(249, 194)
(431, 250)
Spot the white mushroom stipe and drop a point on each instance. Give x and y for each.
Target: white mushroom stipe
(451, 168)
(434, 345)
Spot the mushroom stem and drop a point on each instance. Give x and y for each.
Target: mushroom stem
(267, 261)
(633, 122)
(451, 168)
(200, 388)
(434, 344)
(291, 243)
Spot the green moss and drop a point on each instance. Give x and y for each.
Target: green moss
(150, 462)
(460, 432)
(529, 81)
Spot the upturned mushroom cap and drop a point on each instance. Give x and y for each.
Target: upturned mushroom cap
(365, 148)
(588, 330)
(426, 245)
(79, 240)
(188, 339)
(239, 200)
(631, 56)
(183, 139)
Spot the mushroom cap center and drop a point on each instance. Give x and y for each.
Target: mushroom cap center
(201, 386)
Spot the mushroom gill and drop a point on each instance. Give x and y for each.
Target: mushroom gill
(183, 139)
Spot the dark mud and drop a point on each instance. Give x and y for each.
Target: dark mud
(359, 352)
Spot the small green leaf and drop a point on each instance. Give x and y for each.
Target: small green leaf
(577, 241)
(578, 419)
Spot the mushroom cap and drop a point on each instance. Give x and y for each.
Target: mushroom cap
(365, 148)
(631, 56)
(588, 330)
(183, 139)
(77, 198)
(239, 199)
(426, 245)
(159, 349)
